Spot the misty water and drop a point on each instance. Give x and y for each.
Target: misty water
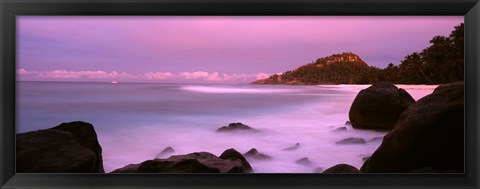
(136, 121)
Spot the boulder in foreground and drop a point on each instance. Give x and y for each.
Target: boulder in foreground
(230, 161)
(379, 106)
(67, 148)
(429, 135)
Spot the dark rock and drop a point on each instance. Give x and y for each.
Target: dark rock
(131, 168)
(351, 140)
(167, 151)
(235, 127)
(67, 148)
(199, 162)
(379, 106)
(342, 168)
(295, 147)
(376, 139)
(189, 165)
(365, 158)
(304, 161)
(251, 152)
(430, 133)
(449, 86)
(254, 154)
(340, 129)
(318, 170)
(234, 155)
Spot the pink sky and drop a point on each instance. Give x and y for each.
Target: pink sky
(209, 48)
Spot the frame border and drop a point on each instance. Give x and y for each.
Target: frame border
(11, 8)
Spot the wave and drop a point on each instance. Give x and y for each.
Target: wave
(206, 89)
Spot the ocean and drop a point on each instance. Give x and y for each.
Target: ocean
(136, 121)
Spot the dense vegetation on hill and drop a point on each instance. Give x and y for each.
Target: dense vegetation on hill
(441, 62)
(337, 68)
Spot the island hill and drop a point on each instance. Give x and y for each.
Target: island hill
(441, 62)
(345, 68)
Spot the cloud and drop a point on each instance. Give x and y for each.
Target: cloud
(233, 77)
(158, 75)
(216, 76)
(213, 76)
(65, 74)
(262, 75)
(99, 74)
(245, 77)
(22, 72)
(104, 75)
(194, 75)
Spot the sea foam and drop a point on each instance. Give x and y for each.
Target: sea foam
(210, 89)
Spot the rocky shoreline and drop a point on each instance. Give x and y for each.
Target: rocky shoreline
(423, 136)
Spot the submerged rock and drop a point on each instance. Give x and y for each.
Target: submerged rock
(304, 161)
(199, 162)
(430, 133)
(318, 170)
(379, 106)
(235, 127)
(340, 129)
(67, 148)
(351, 140)
(165, 152)
(365, 158)
(295, 147)
(342, 168)
(254, 154)
(376, 139)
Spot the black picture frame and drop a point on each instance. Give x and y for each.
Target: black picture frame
(11, 8)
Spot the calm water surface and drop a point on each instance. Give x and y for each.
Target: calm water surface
(135, 121)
